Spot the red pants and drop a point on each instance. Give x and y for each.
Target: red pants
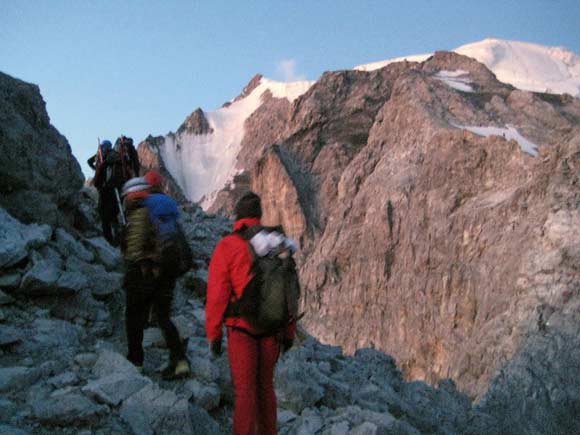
(252, 363)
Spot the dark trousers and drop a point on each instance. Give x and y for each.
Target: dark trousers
(108, 210)
(144, 290)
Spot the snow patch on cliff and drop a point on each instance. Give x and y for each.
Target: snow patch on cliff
(204, 164)
(509, 132)
(457, 79)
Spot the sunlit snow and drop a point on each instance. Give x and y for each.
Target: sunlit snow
(457, 79)
(524, 65)
(508, 132)
(204, 164)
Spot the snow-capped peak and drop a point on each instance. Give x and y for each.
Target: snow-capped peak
(524, 65)
(203, 164)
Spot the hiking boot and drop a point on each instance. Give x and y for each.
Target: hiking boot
(178, 370)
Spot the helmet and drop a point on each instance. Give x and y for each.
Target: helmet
(106, 145)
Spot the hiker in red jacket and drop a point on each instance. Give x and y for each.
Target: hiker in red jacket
(252, 355)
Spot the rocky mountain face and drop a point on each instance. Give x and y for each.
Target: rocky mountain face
(417, 232)
(150, 159)
(448, 245)
(454, 252)
(38, 184)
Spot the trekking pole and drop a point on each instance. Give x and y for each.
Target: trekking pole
(120, 205)
(99, 152)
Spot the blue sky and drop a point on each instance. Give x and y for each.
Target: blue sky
(139, 67)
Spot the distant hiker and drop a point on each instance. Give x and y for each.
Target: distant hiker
(246, 267)
(113, 167)
(129, 157)
(108, 205)
(155, 253)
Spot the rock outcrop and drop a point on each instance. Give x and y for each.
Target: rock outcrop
(150, 159)
(39, 177)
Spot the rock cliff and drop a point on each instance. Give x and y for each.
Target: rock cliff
(39, 176)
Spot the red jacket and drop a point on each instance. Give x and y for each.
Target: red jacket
(229, 273)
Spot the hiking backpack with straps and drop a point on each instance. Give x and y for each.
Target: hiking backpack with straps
(270, 300)
(171, 249)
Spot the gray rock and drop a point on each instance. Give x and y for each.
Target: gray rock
(16, 239)
(81, 306)
(57, 337)
(86, 359)
(67, 245)
(115, 388)
(7, 409)
(63, 380)
(104, 284)
(6, 299)
(205, 369)
(307, 425)
(297, 385)
(204, 396)
(153, 410)
(71, 282)
(17, 378)
(101, 282)
(154, 336)
(341, 428)
(106, 254)
(6, 429)
(10, 335)
(202, 423)
(110, 363)
(41, 280)
(365, 429)
(67, 408)
(285, 416)
(10, 281)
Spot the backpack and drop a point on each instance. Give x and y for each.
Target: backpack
(113, 170)
(270, 300)
(171, 249)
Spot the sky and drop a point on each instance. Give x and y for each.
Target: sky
(112, 67)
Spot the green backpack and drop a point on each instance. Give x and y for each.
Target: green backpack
(270, 300)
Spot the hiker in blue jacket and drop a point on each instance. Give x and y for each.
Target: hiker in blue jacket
(149, 279)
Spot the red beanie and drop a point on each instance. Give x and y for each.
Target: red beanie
(153, 178)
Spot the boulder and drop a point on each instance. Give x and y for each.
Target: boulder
(16, 239)
(114, 388)
(9, 281)
(154, 410)
(111, 363)
(10, 335)
(109, 256)
(81, 306)
(17, 378)
(297, 386)
(7, 410)
(54, 337)
(204, 396)
(63, 380)
(67, 245)
(86, 359)
(65, 407)
(101, 282)
(41, 280)
(6, 429)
